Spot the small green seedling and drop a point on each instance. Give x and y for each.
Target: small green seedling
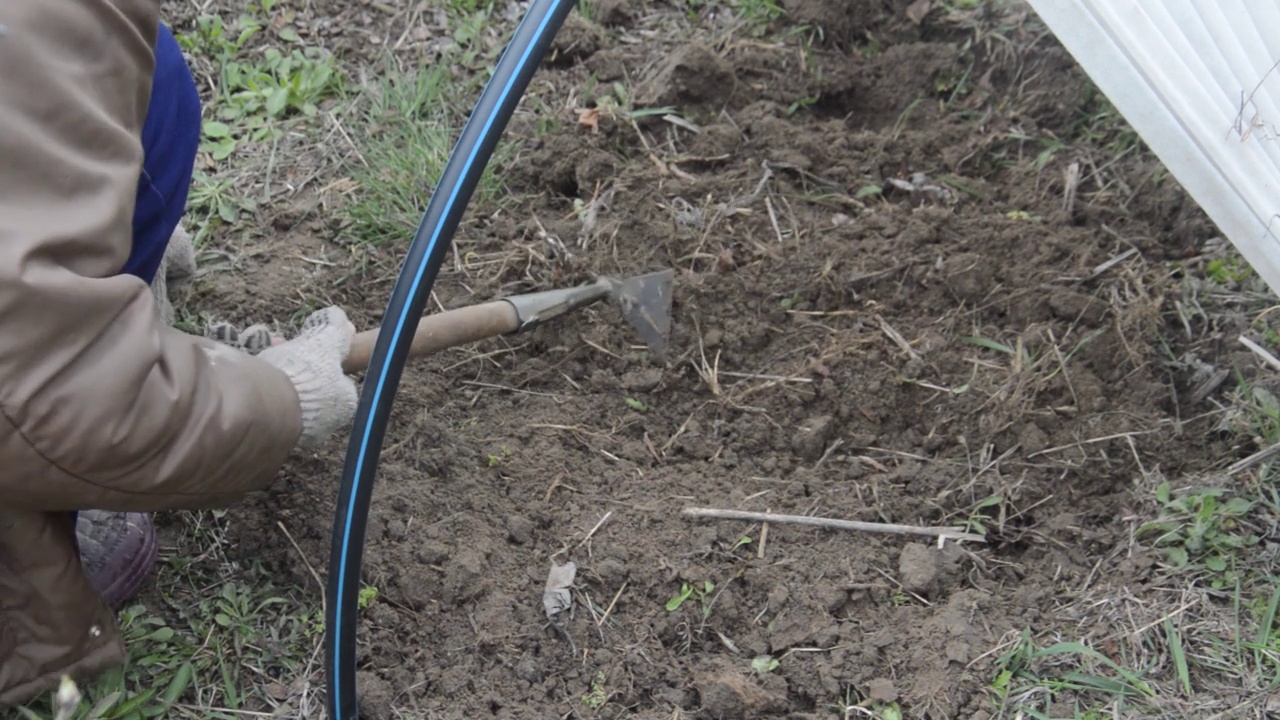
(764, 664)
(974, 522)
(494, 459)
(687, 591)
(367, 595)
(889, 712)
(1227, 271)
(637, 405)
(598, 696)
(866, 191)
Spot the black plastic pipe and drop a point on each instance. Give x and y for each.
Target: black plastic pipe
(501, 95)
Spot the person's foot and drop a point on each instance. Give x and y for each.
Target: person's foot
(118, 551)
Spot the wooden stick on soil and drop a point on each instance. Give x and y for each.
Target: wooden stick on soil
(1261, 352)
(764, 537)
(950, 533)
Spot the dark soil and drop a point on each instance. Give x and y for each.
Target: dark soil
(504, 456)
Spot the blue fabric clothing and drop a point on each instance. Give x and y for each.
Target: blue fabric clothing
(170, 138)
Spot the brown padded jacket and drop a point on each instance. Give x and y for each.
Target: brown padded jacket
(101, 404)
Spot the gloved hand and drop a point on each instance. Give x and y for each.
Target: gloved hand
(253, 339)
(176, 268)
(313, 361)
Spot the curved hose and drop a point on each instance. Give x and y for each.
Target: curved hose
(461, 174)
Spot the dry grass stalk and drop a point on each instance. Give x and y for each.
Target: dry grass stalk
(951, 533)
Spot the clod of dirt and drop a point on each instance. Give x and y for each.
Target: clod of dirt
(791, 631)
(529, 669)
(968, 277)
(465, 575)
(414, 585)
(1072, 306)
(642, 380)
(918, 568)
(1032, 439)
(725, 261)
(838, 21)
(716, 140)
(608, 65)
(693, 76)
(729, 694)
(519, 529)
(594, 169)
(882, 690)
(611, 571)
(376, 696)
(611, 13)
(578, 38)
(812, 437)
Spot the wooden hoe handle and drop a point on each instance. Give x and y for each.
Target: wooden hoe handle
(441, 331)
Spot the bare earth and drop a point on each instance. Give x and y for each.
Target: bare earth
(855, 230)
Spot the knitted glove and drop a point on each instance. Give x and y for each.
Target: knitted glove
(179, 263)
(313, 361)
(253, 339)
(176, 268)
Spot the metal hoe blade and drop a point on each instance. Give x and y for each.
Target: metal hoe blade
(646, 304)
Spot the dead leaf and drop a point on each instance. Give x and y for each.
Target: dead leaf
(917, 10)
(590, 117)
(556, 597)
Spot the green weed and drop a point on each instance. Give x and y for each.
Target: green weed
(598, 696)
(207, 645)
(1228, 271)
(1027, 676)
(410, 121)
(1200, 529)
(701, 592)
(758, 15)
(256, 90)
(260, 85)
(495, 459)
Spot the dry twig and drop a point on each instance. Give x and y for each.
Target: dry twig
(1261, 352)
(951, 533)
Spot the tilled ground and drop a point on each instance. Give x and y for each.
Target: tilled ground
(896, 302)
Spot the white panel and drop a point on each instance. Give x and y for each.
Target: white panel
(1199, 81)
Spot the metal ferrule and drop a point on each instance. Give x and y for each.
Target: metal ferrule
(536, 308)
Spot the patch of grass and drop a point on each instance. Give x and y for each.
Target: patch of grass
(1229, 271)
(257, 87)
(204, 642)
(1254, 412)
(410, 123)
(1197, 639)
(1030, 679)
(758, 15)
(264, 78)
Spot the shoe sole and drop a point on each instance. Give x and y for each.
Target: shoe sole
(130, 581)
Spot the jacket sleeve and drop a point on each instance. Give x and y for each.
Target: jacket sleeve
(101, 404)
